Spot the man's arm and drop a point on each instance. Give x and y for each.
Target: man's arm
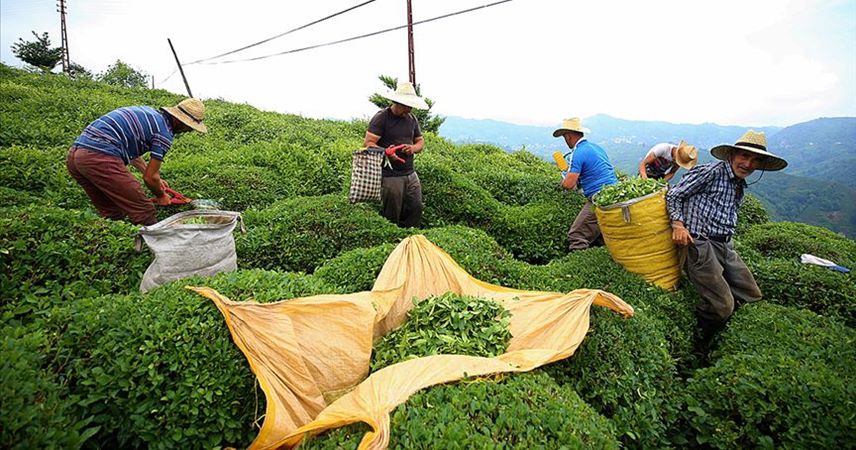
(692, 183)
(153, 180)
(370, 140)
(139, 163)
(671, 173)
(643, 173)
(416, 147)
(570, 180)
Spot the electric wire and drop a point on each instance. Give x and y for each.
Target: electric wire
(353, 38)
(281, 34)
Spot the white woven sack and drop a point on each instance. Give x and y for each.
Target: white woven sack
(184, 249)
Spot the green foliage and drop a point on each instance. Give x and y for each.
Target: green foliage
(300, 234)
(625, 190)
(521, 411)
(427, 121)
(42, 173)
(446, 324)
(355, 270)
(751, 212)
(160, 370)
(121, 74)
(50, 255)
(14, 197)
(35, 412)
(783, 378)
(38, 53)
(789, 240)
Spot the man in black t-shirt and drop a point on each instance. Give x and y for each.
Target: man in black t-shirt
(401, 191)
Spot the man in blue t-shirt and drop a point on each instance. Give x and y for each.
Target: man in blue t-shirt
(99, 157)
(590, 167)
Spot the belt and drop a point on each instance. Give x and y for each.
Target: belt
(716, 238)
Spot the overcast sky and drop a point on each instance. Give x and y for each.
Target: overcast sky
(534, 62)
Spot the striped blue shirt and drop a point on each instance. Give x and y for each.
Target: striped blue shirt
(706, 199)
(128, 133)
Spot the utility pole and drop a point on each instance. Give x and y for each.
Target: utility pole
(66, 62)
(410, 53)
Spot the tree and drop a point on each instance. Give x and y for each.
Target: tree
(427, 121)
(79, 72)
(38, 53)
(121, 74)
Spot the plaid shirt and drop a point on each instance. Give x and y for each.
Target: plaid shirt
(706, 200)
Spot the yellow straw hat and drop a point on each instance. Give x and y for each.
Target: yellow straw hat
(405, 94)
(190, 112)
(755, 142)
(572, 124)
(686, 155)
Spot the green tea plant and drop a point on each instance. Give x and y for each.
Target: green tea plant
(627, 190)
(446, 324)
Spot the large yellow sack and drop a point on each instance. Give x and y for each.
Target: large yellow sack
(639, 237)
(307, 352)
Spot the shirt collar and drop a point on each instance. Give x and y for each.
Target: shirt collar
(578, 143)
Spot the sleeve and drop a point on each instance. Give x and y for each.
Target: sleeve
(160, 145)
(376, 124)
(692, 183)
(578, 160)
(417, 131)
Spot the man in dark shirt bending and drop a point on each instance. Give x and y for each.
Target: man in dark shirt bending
(401, 191)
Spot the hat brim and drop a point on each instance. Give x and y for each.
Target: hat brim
(770, 163)
(185, 119)
(406, 100)
(688, 164)
(564, 131)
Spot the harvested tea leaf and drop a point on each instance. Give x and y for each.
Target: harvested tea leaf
(627, 190)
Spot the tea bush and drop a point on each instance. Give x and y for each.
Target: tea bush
(751, 212)
(355, 270)
(527, 410)
(13, 197)
(50, 255)
(446, 324)
(782, 378)
(789, 240)
(299, 234)
(160, 370)
(41, 173)
(35, 413)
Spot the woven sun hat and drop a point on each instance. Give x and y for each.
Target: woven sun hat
(190, 112)
(686, 155)
(572, 124)
(755, 142)
(405, 94)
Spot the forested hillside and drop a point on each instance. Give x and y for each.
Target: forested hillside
(87, 361)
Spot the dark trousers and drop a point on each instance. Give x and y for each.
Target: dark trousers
(111, 187)
(401, 200)
(722, 280)
(584, 231)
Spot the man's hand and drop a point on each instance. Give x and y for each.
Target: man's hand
(164, 200)
(164, 185)
(407, 149)
(680, 235)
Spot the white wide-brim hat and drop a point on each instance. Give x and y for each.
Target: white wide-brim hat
(572, 124)
(190, 112)
(405, 94)
(755, 142)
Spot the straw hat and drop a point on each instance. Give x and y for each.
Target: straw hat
(405, 94)
(755, 142)
(572, 124)
(190, 112)
(686, 155)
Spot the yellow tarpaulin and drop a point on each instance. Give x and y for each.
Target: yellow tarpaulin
(309, 350)
(639, 237)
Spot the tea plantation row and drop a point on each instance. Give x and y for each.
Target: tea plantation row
(87, 361)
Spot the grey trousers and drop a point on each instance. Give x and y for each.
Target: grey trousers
(584, 231)
(721, 278)
(401, 200)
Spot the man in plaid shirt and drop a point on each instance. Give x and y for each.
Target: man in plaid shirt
(703, 212)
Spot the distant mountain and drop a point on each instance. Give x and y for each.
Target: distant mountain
(822, 148)
(818, 187)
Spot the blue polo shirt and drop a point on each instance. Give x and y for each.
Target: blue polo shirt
(129, 132)
(591, 162)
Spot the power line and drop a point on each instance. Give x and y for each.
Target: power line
(354, 38)
(281, 34)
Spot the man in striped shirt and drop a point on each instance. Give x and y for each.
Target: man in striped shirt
(703, 212)
(99, 158)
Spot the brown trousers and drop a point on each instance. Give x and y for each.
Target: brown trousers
(401, 200)
(584, 231)
(721, 278)
(111, 187)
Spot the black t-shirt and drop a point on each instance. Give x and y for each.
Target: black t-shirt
(395, 130)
